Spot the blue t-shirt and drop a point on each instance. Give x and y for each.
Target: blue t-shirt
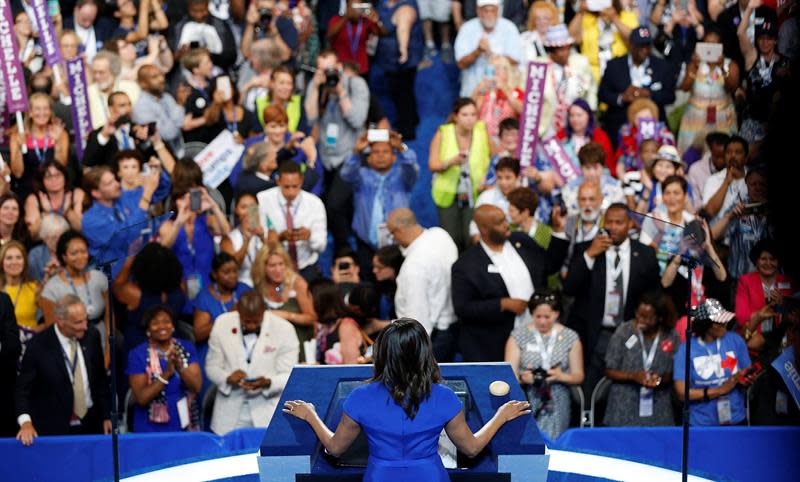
(175, 390)
(206, 301)
(712, 364)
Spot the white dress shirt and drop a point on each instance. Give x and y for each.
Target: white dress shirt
(515, 275)
(65, 346)
(424, 283)
(88, 40)
(737, 192)
(308, 211)
(625, 262)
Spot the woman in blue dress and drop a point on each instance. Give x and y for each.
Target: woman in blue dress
(402, 410)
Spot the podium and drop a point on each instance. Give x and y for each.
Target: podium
(290, 452)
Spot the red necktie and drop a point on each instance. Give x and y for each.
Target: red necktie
(290, 228)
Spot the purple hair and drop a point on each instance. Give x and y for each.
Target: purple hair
(590, 126)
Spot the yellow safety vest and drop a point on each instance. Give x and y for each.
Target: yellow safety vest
(445, 183)
(293, 110)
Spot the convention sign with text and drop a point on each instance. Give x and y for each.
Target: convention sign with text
(531, 113)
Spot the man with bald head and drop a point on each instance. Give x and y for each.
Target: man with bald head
(423, 283)
(493, 282)
(157, 105)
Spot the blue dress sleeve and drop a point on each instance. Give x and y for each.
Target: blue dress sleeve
(137, 360)
(446, 401)
(353, 405)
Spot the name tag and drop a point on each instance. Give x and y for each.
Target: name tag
(613, 304)
(493, 269)
(724, 411)
(631, 342)
(531, 348)
(645, 402)
(783, 286)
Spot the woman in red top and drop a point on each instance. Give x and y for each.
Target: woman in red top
(349, 34)
(759, 294)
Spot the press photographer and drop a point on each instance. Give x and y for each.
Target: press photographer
(263, 21)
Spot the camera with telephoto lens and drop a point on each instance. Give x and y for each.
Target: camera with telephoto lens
(265, 18)
(539, 377)
(331, 77)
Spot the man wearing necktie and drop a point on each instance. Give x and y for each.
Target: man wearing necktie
(62, 388)
(607, 276)
(380, 185)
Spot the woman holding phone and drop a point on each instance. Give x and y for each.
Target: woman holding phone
(404, 402)
(226, 113)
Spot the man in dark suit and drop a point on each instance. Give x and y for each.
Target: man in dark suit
(607, 276)
(62, 387)
(635, 76)
(10, 348)
(493, 281)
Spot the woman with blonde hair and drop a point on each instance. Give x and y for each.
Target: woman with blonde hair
(16, 283)
(498, 95)
(541, 16)
(284, 290)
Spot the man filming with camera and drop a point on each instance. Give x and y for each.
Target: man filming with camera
(264, 22)
(336, 107)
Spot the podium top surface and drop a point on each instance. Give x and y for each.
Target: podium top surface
(287, 435)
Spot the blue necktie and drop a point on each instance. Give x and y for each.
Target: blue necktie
(377, 212)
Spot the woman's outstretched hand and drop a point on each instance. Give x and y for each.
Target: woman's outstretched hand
(300, 409)
(513, 409)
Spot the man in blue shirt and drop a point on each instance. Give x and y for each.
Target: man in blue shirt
(381, 185)
(113, 210)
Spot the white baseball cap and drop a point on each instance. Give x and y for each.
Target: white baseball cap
(486, 3)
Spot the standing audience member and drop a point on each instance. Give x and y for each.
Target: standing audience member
(603, 35)
(424, 283)
(90, 28)
(592, 161)
(723, 190)
(712, 162)
(53, 194)
(12, 222)
(165, 377)
(493, 281)
(10, 351)
(245, 240)
(46, 401)
(199, 27)
(105, 69)
(386, 265)
(340, 340)
(547, 358)
(436, 12)
(251, 353)
(641, 375)
(541, 16)
(157, 105)
(349, 34)
(607, 277)
(42, 259)
(17, 284)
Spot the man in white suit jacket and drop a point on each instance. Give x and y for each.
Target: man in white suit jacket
(250, 355)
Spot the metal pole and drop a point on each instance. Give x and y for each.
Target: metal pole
(686, 372)
(113, 366)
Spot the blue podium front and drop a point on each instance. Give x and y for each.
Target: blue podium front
(290, 452)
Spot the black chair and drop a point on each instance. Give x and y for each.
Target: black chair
(751, 398)
(208, 407)
(579, 415)
(126, 424)
(599, 399)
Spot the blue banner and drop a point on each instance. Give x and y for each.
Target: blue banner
(787, 369)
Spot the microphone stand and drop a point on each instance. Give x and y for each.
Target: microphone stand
(690, 264)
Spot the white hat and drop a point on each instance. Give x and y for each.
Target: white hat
(486, 3)
(557, 36)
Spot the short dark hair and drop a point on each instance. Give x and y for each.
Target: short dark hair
(289, 168)
(390, 256)
(405, 364)
(344, 252)
(524, 198)
(151, 313)
(156, 269)
(662, 304)
(761, 246)
(367, 298)
(63, 242)
(125, 155)
(734, 139)
(675, 179)
(716, 139)
(620, 206)
(114, 95)
(508, 164)
(219, 260)
(507, 124)
(328, 300)
(42, 172)
(592, 153)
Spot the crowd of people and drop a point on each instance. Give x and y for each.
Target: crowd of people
(307, 247)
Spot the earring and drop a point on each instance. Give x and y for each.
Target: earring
(147, 333)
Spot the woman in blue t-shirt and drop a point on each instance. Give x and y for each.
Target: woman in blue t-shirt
(402, 410)
(720, 364)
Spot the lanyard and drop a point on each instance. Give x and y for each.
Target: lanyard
(647, 358)
(546, 353)
(75, 290)
(232, 125)
(233, 301)
(248, 352)
(354, 40)
(41, 154)
(72, 364)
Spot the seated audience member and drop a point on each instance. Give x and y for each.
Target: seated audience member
(380, 185)
(628, 138)
(207, 31)
(251, 353)
(507, 178)
(759, 300)
(712, 162)
(53, 194)
(284, 291)
(157, 105)
(119, 133)
(42, 259)
(112, 211)
(281, 94)
(746, 224)
(423, 282)
(386, 265)
(152, 277)
(459, 158)
(639, 364)
(105, 71)
(90, 285)
(299, 219)
(507, 147)
(725, 188)
(191, 234)
(581, 128)
(12, 222)
(556, 363)
(492, 281)
(163, 372)
(719, 368)
(245, 240)
(49, 403)
(340, 340)
(592, 160)
(219, 297)
(45, 139)
(10, 351)
(607, 276)
(16, 283)
(481, 37)
(638, 74)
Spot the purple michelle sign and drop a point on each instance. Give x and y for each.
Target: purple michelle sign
(81, 117)
(558, 158)
(531, 113)
(13, 75)
(47, 33)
